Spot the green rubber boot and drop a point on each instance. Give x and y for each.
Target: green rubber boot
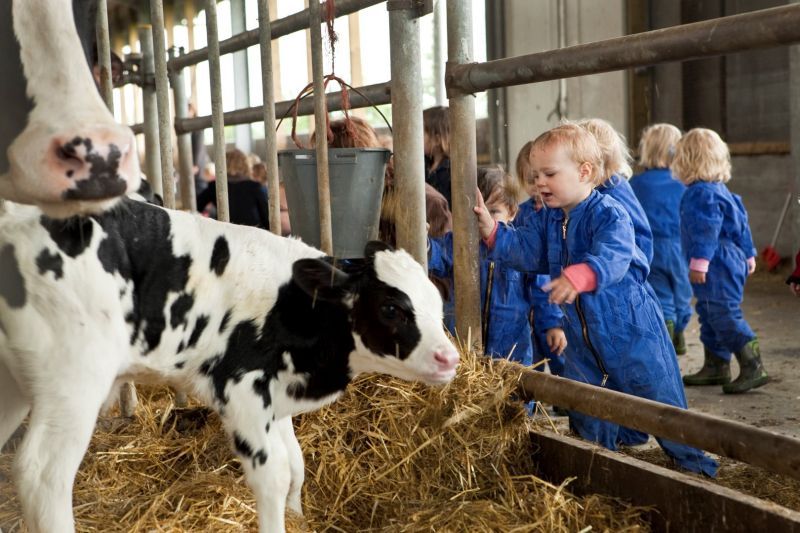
(679, 342)
(671, 330)
(715, 371)
(751, 370)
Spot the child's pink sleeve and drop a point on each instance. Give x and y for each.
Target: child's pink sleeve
(698, 265)
(582, 277)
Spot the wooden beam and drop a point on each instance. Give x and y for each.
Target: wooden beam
(758, 447)
(682, 502)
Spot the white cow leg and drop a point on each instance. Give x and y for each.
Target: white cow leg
(61, 424)
(296, 464)
(13, 406)
(127, 399)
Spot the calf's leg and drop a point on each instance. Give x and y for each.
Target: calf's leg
(61, 424)
(13, 405)
(296, 464)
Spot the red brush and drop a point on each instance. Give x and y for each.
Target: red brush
(770, 256)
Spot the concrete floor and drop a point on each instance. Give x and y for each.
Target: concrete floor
(774, 314)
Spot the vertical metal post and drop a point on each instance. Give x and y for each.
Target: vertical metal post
(162, 100)
(270, 136)
(794, 132)
(217, 121)
(497, 98)
(241, 73)
(104, 54)
(185, 163)
(438, 53)
(152, 147)
(320, 120)
(463, 169)
(406, 69)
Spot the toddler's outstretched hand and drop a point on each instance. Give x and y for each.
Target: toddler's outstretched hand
(561, 291)
(485, 221)
(696, 276)
(556, 340)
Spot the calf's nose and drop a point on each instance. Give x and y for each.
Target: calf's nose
(98, 163)
(446, 358)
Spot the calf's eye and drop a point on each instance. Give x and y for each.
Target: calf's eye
(389, 311)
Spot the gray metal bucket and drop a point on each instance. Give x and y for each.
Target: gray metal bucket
(356, 181)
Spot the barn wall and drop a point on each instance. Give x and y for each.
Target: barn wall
(529, 29)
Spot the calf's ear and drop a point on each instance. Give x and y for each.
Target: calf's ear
(373, 247)
(320, 280)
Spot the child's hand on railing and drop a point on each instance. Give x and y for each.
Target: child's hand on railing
(485, 221)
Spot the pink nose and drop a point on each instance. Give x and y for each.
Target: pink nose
(96, 164)
(447, 358)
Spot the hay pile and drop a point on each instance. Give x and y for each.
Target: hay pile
(388, 456)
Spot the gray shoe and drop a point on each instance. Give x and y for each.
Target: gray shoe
(751, 370)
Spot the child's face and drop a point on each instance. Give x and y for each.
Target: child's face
(561, 182)
(499, 211)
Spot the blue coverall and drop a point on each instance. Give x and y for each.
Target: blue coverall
(508, 331)
(618, 188)
(660, 195)
(616, 334)
(545, 315)
(714, 227)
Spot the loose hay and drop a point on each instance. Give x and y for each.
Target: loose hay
(388, 456)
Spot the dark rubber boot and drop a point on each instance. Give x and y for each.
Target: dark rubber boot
(679, 342)
(715, 371)
(751, 370)
(670, 329)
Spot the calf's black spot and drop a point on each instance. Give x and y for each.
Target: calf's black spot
(199, 327)
(49, 262)
(179, 308)
(71, 235)
(220, 256)
(12, 284)
(223, 325)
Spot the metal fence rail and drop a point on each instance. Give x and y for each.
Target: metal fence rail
(758, 29)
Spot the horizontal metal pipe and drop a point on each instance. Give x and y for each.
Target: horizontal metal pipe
(773, 452)
(378, 94)
(757, 29)
(283, 26)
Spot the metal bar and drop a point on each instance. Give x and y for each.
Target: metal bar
(438, 53)
(217, 120)
(152, 147)
(408, 136)
(287, 25)
(794, 130)
(243, 133)
(104, 54)
(496, 48)
(185, 155)
(678, 502)
(377, 94)
(268, 115)
(773, 452)
(757, 29)
(320, 119)
(162, 101)
(464, 178)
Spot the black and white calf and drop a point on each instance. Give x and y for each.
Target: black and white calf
(257, 326)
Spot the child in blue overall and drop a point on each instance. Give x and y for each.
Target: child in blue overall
(614, 328)
(660, 195)
(718, 247)
(504, 303)
(616, 172)
(545, 318)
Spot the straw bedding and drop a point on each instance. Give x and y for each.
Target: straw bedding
(388, 456)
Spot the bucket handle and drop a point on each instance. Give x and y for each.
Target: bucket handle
(309, 89)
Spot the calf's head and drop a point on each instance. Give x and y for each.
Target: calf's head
(395, 314)
(60, 148)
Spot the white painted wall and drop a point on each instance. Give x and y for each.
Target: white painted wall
(531, 26)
